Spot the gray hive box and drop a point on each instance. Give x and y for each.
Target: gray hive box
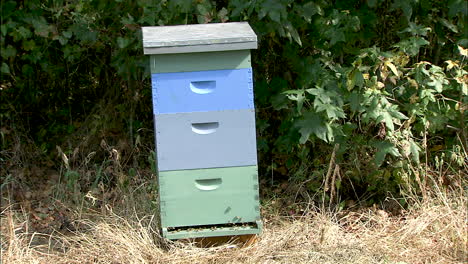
(204, 116)
(198, 38)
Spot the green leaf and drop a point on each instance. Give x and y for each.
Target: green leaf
(372, 3)
(149, 17)
(24, 32)
(29, 45)
(4, 30)
(416, 30)
(355, 102)
(83, 33)
(412, 45)
(457, 6)
(123, 42)
(449, 25)
(279, 101)
(384, 148)
(332, 111)
(261, 13)
(309, 9)
(128, 20)
(202, 10)
(355, 78)
(41, 27)
(427, 95)
(5, 68)
(274, 9)
(438, 81)
(89, 36)
(67, 34)
(71, 52)
(405, 6)
(204, 15)
(294, 34)
(315, 91)
(8, 52)
(387, 118)
(222, 15)
(414, 149)
(62, 40)
(387, 113)
(275, 15)
(296, 95)
(337, 35)
(311, 123)
(393, 110)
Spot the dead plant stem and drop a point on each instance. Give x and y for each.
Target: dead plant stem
(329, 172)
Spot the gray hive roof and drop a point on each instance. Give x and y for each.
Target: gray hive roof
(198, 38)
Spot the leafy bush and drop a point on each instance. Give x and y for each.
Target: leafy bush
(384, 81)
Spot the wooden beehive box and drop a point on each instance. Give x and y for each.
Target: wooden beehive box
(205, 129)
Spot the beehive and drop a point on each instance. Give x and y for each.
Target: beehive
(205, 129)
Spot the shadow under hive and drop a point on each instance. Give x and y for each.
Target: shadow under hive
(205, 129)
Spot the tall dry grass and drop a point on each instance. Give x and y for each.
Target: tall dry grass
(430, 231)
(433, 229)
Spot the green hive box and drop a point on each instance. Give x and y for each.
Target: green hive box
(204, 61)
(204, 201)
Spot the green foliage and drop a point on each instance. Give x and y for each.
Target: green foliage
(377, 90)
(384, 79)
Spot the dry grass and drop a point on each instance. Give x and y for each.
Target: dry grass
(434, 231)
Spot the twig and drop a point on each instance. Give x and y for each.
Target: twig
(332, 192)
(330, 166)
(329, 172)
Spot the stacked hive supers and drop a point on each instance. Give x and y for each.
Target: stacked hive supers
(205, 129)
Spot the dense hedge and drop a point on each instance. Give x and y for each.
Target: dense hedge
(381, 82)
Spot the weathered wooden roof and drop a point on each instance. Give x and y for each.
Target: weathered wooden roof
(198, 38)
